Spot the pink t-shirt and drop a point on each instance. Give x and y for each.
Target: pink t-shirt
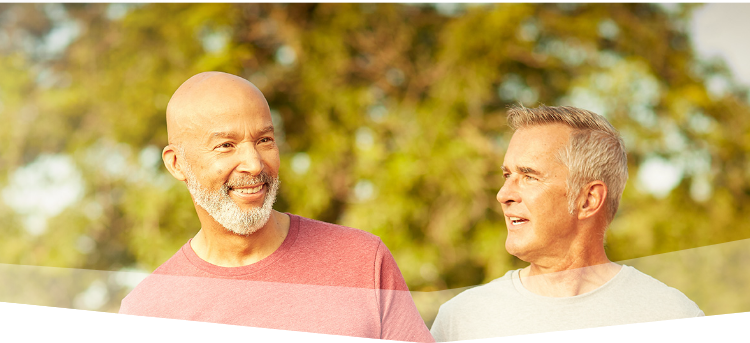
(324, 278)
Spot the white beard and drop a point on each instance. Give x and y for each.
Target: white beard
(225, 211)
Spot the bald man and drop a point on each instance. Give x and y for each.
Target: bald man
(248, 264)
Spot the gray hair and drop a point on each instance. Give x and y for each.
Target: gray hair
(595, 150)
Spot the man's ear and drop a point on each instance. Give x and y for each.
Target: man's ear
(593, 197)
(170, 157)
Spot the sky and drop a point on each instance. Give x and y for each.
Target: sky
(716, 29)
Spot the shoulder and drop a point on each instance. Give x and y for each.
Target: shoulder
(650, 287)
(157, 283)
(335, 236)
(334, 244)
(342, 256)
(178, 264)
(150, 291)
(471, 311)
(479, 295)
(658, 295)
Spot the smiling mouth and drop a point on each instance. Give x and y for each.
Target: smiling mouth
(252, 190)
(517, 220)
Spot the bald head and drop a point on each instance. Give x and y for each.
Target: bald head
(205, 96)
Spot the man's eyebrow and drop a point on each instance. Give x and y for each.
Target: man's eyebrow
(223, 134)
(528, 170)
(524, 170)
(230, 134)
(266, 129)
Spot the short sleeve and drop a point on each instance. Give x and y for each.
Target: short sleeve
(399, 318)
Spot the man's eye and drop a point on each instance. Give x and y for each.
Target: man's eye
(529, 178)
(506, 175)
(265, 140)
(225, 145)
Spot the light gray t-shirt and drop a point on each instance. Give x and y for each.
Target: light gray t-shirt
(504, 307)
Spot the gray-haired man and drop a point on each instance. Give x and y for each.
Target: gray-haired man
(565, 170)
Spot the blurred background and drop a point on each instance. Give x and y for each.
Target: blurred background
(390, 119)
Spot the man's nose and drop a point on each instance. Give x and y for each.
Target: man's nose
(508, 192)
(250, 160)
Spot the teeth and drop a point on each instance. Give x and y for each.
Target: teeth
(516, 220)
(248, 190)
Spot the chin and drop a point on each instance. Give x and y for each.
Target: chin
(514, 248)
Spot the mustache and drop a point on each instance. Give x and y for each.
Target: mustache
(244, 181)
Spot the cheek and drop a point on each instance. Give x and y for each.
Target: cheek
(271, 159)
(551, 201)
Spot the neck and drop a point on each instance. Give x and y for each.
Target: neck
(578, 273)
(217, 245)
(567, 280)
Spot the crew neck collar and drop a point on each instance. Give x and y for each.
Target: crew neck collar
(516, 278)
(213, 269)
